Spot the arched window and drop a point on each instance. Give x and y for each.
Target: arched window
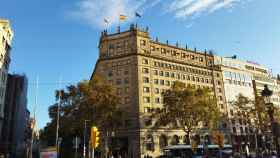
(175, 140)
(150, 143)
(163, 141)
(187, 140)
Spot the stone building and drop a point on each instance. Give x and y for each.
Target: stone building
(141, 68)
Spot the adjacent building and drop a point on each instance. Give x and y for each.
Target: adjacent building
(16, 120)
(141, 69)
(6, 36)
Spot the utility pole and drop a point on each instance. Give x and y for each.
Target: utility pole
(57, 120)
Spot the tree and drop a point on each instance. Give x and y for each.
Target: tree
(93, 100)
(188, 109)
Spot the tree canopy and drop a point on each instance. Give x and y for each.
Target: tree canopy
(93, 100)
(188, 109)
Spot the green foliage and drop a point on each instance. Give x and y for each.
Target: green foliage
(93, 100)
(187, 108)
(255, 109)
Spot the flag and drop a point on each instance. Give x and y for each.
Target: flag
(122, 17)
(106, 21)
(138, 15)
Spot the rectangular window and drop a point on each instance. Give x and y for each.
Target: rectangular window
(146, 99)
(157, 100)
(145, 70)
(155, 72)
(126, 81)
(161, 73)
(163, 51)
(172, 75)
(156, 90)
(162, 82)
(167, 83)
(166, 74)
(119, 81)
(146, 89)
(145, 61)
(145, 79)
(155, 81)
(143, 42)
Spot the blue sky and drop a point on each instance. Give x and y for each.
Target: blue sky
(56, 39)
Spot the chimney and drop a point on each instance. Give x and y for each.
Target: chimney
(156, 39)
(167, 42)
(177, 44)
(186, 46)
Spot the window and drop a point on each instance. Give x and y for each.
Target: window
(166, 74)
(110, 73)
(157, 100)
(145, 70)
(220, 90)
(178, 76)
(234, 130)
(201, 59)
(126, 72)
(155, 72)
(221, 98)
(152, 48)
(119, 91)
(161, 73)
(162, 82)
(143, 42)
(163, 51)
(155, 81)
(145, 61)
(126, 89)
(218, 82)
(146, 89)
(145, 79)
(146, 99)
(172, 75)
(126, 80)
(167, 83)
(126, 100)
(119, 81)
(156, 90)
(119, 72)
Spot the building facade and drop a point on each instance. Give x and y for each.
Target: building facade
(6, 35)
(238, 81)
(13, 138)
(141, 69)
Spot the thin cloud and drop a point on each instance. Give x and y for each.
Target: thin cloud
(95, 11)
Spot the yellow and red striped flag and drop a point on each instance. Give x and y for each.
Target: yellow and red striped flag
(122, 17)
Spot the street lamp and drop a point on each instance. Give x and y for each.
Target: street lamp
(266, 94)
(85, 133)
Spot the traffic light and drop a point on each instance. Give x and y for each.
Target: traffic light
(218, 139)
(94, 137)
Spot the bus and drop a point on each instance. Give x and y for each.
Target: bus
(185, 151)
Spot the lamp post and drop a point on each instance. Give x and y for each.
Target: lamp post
(266, 94)
(85, 133)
